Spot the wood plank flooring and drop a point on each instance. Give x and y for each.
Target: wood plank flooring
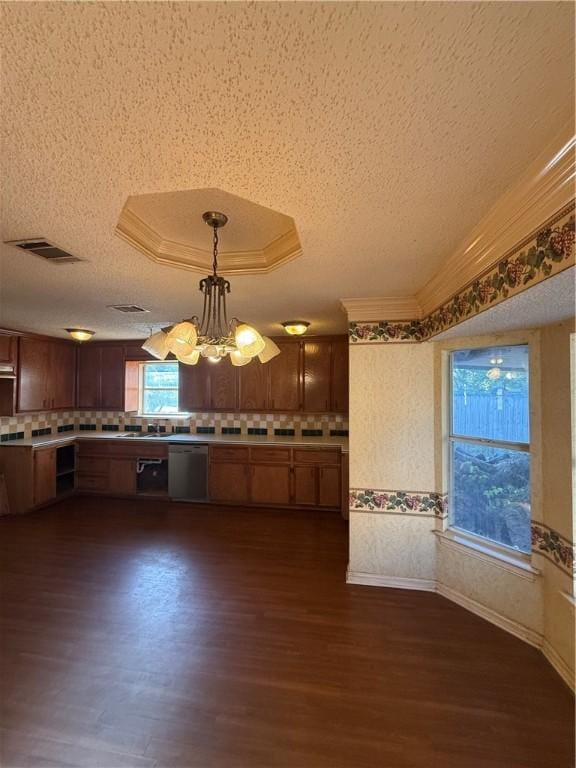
(157, 635)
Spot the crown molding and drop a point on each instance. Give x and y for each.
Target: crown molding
(393, 308)
(546, 187)
(134, 230)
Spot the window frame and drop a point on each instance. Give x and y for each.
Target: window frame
(498, 548)
(142, 389)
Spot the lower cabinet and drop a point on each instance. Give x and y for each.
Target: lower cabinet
(111, 468)
(275, 476)
(270, 484)
(44, 475)
(228, 481)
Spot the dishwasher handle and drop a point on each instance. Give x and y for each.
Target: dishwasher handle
(188, 448)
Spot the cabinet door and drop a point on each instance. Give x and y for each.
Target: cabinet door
(253, 382)
(223, 386)
(44, 475)
(329, 487)
(305, 485)
(62, 375)
(122, 476)
(270, 484)
(340, 376)
(112, 378)
(285, 390)
(193, 389)
(317, 376)
(88, 377)
(33, 375)
(228, 482)
(7, 349)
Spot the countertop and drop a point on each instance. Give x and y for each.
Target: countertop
(62, 438)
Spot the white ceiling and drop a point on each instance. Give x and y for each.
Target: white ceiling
(552, 301)
(386, 130)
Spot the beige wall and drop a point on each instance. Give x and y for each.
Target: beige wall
(392, 448)
(398, 442)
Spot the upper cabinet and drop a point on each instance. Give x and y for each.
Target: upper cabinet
(307, 376)
(8, 344)
(46, 374)
(101, 377)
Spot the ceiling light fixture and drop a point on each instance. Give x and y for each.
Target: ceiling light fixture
(214, 336)
(296, 327)
(80, 334)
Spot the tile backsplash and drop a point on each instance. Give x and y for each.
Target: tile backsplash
(14, 427)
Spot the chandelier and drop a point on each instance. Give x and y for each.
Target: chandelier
(214, 336)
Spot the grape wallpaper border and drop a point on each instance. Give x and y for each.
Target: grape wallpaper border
(426, 503)
(545, 540)
(540, 256)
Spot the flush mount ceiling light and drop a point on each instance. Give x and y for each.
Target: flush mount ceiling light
(214, 336)
(80, 334)
(296, 327)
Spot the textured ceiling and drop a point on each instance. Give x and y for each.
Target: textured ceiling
(386, 130)
(552, 301)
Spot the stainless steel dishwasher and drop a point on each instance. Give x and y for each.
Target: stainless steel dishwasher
(188, 472)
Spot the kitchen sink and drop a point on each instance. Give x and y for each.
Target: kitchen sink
(143, 435)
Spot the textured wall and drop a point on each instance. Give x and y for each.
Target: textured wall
(392, 448)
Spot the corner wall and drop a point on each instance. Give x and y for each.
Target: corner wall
(393, 499)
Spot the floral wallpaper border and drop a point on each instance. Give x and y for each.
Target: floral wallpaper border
(398, 502)
(548, 252)
(545, 540)
(556, 548)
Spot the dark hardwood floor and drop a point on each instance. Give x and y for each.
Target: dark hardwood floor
(157, 635)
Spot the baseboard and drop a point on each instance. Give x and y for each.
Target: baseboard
(509, 625)
(559, 665)
(373, 580)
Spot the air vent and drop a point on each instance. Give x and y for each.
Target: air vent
(45, 249)
(128, 308)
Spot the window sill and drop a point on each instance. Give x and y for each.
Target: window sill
(162, 416)
(515, 564)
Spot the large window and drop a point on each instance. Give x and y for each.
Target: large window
(159, 388)
(490, 444)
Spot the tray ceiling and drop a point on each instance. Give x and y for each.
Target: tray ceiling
(384, 130)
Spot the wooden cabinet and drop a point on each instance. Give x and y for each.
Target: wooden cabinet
(317, 376)
(329, 486)
(339, 376)
(101, 377)
(253, 386)
(46, 374)
(193, 386)
(109, 467)
(270, 484)
(44, 475)
(223, 385)
(305, 486)
(274, 476)
(8, 344)
(285, 390)
(229, 482)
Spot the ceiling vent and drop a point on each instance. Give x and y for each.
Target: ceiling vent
(46, 250)
(128, 308)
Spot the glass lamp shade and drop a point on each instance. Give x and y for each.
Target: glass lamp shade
(190, 359)
(270, 350)
(155, 345)
(181, 340)
(248, 341)
(238, 359)
(80, 334)
(296, 327)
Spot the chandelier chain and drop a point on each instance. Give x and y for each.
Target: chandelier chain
(215, 240)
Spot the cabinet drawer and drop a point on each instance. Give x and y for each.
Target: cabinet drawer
(229, 453)
(93, 447)
(93, 482)
(97, 465)
(273, 455)
(316, 456)
(137, 448)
